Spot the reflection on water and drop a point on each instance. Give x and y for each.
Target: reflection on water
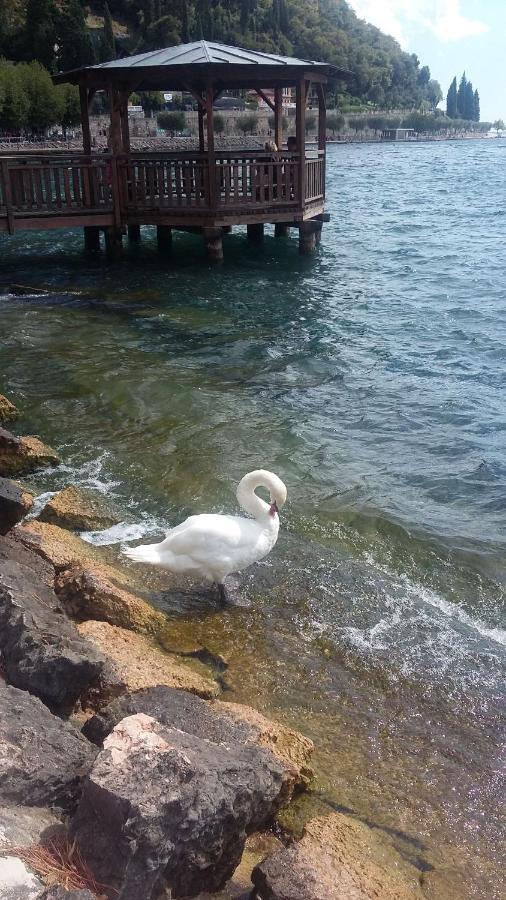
(371, 378)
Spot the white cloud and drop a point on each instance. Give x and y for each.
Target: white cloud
(444, 18)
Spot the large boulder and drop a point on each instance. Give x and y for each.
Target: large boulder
(78, 510)
(42, 652)
(11, 549)
(54, 544)
(222, 723)
(140, 663)
(164, 809)
(8, 412)
(57, 892)
(15, 503)
(91, 592)
(42, 758)
(20, 829)
(338, 858)
(20, 455)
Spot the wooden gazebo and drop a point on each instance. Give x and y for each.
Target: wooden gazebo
(205, 189)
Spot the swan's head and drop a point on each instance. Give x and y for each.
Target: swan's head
(253, 503)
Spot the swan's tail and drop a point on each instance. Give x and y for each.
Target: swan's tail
(147, 553)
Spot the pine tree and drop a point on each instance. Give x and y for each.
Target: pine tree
(476, 106)
(451, 100)
(461, 97)
(74, 44)
(108, 46)
(469, 102)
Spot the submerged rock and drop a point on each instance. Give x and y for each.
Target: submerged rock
(55, 544)
(164, 809)
(78, 510)
(89, 592)
(15, 503)
(222, 723)
(20, 455)
(338, 858)
(140, 663)
(42, 651)
(8, 412)
(42, 758)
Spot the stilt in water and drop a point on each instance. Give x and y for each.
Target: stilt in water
(91, 238)
(309, 235)
(113, 241)
(164, 238)
(256, 233)
(213, 238)
(134, 233)
(281, 229)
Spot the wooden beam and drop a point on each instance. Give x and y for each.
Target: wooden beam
(85, 118)
(125, 126)
(278, 117)
(322, 118)
(265, 98)
(300, 135)
(202, 138)
(196, 96)
(211, 160)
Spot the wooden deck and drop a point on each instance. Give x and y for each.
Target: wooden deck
(64, 189)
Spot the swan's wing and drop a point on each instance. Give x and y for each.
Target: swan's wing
(210, 535)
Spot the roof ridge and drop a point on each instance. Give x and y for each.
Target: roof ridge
(206, 51)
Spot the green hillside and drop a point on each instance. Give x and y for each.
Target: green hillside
(320, 29)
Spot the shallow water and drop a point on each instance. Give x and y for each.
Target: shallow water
(371, 378)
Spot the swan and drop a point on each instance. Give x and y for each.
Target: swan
(211, 546)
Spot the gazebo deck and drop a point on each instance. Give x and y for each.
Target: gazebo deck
(57, 189)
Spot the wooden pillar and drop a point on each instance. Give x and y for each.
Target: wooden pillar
(85, 118)
(256, 233)
(115, 148)
(213, 238)
(134, 233)
(322, 118)
(91, 238)
(124, 123)
(309, 236)
(113, 241)
(202, 137)
(211, 160)
(278, 117)
(281, 229)
(300, 135)
(164, 238)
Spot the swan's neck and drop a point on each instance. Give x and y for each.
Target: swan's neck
(251, 502)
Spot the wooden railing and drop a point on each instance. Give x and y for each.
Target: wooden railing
(63, 184)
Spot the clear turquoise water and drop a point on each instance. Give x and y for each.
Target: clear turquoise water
(372, 379)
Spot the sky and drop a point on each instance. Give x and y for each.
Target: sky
(450, 36)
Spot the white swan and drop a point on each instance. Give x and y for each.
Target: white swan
(212, 546)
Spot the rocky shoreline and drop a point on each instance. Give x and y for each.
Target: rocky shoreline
(124, 772)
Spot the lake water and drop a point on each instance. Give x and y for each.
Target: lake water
(371, 378)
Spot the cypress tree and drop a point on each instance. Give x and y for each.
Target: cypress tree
(461, 97)
(185, 27)
(39, 32)
(74, 44)
(469, 102)
(476, 106)
(108, 45)
(451, 100)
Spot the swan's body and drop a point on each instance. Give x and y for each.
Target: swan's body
(212, 546)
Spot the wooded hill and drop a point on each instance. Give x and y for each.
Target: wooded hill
(326, 30)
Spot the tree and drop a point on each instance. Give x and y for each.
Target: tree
(185, 27)
(39, 36)
(498, 125)
(469, 102)
(284, 122)
(151, 101)
(45, 107)
(171, 120)
(14, 114)
(424, 76)
(461, 96)
(451, 100)
(70, 106)
(218, 123)
(335, 122)
(74, 44)
(434, 93)
(476, 116)
(247, 124)
(108, 46)
(310, 122)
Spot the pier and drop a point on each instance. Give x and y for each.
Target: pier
(207, 190)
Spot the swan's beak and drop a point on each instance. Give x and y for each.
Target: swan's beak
(273, 509)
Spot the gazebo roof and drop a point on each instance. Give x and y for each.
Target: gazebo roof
(200, 60)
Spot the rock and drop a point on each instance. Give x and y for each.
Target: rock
(15, 502)
(222, 723)
(78, 510)
(22, 826)
(90, 593)
(42, 652)
(19, 455)
(162, 808)
(257, 847)
(60, 547)
(140, 663)
(338, 858)
(17, 881)
(13, 550)
(57, 892)
(42, 758)
(8, 411)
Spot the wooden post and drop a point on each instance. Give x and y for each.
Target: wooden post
(213, 238)
(256, 233)
(134, 232)
(322, 118)
(91, 238)
(164, 238)
(113, 241)
(281, 229)
(85, 118)
(309, 233)
(300, 134)
(125, 126)
(278, 117)
(6, 178)
(202, 138)
(115, 148)
(211, 160)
